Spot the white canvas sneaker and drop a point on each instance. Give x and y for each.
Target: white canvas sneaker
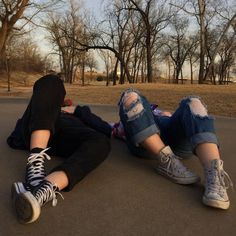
(216, 184)
(171, 167)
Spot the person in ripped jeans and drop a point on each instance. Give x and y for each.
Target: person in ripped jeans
(152, 133)
(46, 128)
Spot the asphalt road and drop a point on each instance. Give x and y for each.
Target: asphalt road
(123, 197)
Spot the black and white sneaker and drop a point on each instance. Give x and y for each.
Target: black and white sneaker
(18, 188)
(35, 170)
(28, 204)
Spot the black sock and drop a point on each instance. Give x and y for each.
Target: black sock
(36, 150)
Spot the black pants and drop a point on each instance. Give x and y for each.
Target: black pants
(82, 147)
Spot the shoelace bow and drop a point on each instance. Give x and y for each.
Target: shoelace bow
(36, 167)
(229, 182)
(47, 193)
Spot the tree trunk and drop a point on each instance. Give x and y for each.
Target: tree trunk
(149, 58)
(202, 5)
(218, 45)
(3, 37)
(9, 20)
(191, 70)
(115, 72)
(182, 77)
(82, 71)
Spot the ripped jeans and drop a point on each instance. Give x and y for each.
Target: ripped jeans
(189, 125)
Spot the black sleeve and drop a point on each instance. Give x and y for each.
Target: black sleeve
(84, 114)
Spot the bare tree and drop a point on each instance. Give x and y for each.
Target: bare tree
(12, 12)
(155, 18)
(223, 34)
(206, 13)
(203, 13)
(178, 45)
(201, 18)
(227, 53)
(108, 59)
(193, 55)
(64, 29)
(128, 38)
(22, 55)
(25, 55)
(118, 21)
(101, 37)
(91, 63)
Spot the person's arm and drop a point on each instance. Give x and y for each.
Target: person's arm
(165, 113)
(84, 114)
(158, 112)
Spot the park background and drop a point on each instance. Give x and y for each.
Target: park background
(167, 49)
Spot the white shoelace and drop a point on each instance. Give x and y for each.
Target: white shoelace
(36, 171)
(218, 181)
(46, 193)
(173, 165)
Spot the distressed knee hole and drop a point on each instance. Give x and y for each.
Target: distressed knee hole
(129, 98)
(132, 104)
(197, 108)
(135, 110)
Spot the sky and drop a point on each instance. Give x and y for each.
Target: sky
(94, 7)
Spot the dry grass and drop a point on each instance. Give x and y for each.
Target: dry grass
(221, 100)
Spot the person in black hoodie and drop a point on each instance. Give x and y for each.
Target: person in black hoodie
(46, 128)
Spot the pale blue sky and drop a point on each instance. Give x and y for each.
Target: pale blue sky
(94, 7)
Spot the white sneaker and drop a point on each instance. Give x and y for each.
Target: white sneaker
(216, 183)
(171, 167)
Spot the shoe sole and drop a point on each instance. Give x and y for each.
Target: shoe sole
(27, 208)
(184, 181)
(16, 189)
(214, 203)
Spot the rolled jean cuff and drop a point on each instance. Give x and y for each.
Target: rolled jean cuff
(144, 134)
(206, 137)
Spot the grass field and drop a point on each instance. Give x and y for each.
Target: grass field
(220, 99)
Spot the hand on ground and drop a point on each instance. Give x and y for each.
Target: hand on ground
(68, 109)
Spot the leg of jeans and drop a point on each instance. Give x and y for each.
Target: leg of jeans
(190, 122)
(83, 148)
(44, 108)
(137, 117)
(182, 149)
